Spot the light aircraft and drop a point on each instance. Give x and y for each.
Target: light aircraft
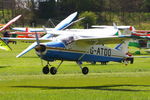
(26, 34)
(140, 43)
(78, 45)
(3, 45)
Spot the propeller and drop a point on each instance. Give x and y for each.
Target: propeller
(39, 48)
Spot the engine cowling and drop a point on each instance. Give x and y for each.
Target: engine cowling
(40, 48)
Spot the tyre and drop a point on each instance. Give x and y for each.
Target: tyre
(45, 70)
(53, 70)
(85, 70)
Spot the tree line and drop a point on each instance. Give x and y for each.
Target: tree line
(63, 7)
(107, 11)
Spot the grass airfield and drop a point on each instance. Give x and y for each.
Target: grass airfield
(22, 79)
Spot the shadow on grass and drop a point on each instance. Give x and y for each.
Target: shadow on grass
(4, 66)
(30, 57)
(106, 88)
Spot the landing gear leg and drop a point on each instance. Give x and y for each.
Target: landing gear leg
(85, 70)
(53, 70)
(126, 62)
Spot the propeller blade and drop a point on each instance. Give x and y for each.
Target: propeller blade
(37, 38)
(44, 29)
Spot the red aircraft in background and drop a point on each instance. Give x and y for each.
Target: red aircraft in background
(26, 34)
(141, 33)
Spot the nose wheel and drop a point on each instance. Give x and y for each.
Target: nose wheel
(45, 69)
(52, 70)
(85, 70)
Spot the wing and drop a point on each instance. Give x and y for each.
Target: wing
(10, 22)
(23, 29)
(26, 39)
(87, 32)
(104, 40)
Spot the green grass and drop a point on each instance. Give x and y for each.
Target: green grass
(22, 79)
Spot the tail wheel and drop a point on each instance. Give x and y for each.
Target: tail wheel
(53, 70)
(85, 70)
(45, 69)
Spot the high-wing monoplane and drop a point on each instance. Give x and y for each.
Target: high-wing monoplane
(79, 46)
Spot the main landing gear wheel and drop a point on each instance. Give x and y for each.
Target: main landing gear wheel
(85, 70)
(53, 70)
(45, 69)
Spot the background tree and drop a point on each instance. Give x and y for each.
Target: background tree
(47, 9)
(146, 5)
(90, 19)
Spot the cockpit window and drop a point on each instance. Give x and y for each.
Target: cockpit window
(68, 40)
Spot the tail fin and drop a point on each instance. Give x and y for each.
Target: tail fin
(118, 32)
(132, 28)
(27, 29)
(123, 47)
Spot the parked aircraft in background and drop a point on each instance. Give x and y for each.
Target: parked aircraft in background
(23, 29)
(26, 34)
(141, 43)
(124, 30)
(3, 45)
(1, 25)
(9, 23)
(145, 33)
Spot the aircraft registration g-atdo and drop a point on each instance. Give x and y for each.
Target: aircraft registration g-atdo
(79, 46)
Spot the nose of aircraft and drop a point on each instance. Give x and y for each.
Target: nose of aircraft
(40, 48)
